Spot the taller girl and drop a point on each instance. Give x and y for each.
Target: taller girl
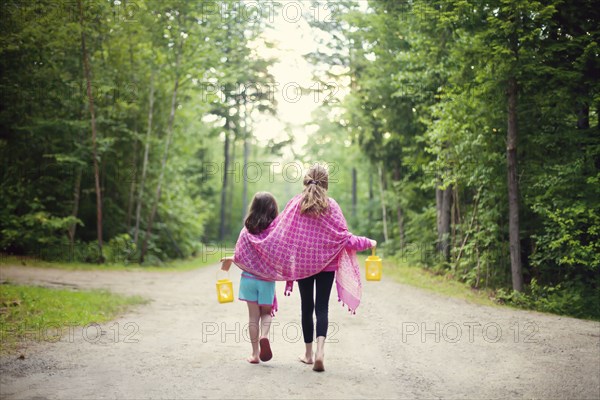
(315, 204)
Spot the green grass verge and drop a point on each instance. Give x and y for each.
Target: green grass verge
(424, 279)
(42, 314)
(175, 265)
(568, 302)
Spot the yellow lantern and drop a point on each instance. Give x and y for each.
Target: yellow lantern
(373, 267)
(224, 290)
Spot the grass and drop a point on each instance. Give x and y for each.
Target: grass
(421, 278)
(42, 314)
(176, 265)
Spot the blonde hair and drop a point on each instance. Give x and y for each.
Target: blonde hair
(314, 196)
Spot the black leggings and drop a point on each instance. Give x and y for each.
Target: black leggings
(324, 281)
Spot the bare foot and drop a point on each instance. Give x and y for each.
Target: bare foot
(305, 359)
(253, 359)
(265, 350)
(319, 365)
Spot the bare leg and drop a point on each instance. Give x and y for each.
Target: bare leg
(324, 282)
(306, 287)
(265, 321)
(265, 346)
(307, 358)
(254, 318)
(320, 354)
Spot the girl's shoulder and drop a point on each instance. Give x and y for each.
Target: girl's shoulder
(333, 202)
(293, 201)
(334, 207)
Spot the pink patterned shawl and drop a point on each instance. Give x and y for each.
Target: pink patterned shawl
(296, 246)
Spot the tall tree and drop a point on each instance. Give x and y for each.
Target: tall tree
(513, 189)
(178, 53)
(138, 208)
(88, 78)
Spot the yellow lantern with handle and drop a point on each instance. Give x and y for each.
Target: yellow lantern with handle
(224, 290)
(373, 267)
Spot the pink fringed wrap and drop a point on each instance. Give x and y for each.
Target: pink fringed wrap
(296, 246)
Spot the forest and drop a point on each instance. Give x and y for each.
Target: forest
(462, 135)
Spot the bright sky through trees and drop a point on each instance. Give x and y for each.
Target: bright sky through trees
(292, 37)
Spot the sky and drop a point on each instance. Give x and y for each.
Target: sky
(293, 37)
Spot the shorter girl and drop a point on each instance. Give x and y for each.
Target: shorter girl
(258, 293)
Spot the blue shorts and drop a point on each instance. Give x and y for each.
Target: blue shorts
(255, 290)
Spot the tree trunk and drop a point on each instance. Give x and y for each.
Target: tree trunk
(399, 212)
(354, 196)
(76, 195)
(513, 190)
(225, 182)
(75, 211)
(478, 261)
(383, 208)
(132, 185)
(133, 176)
(88, 78)
(138, 209)
(245, 162)
(439, 196)
(583, 116)
(456, 220)
(166, 153)
(245, 178)
(444, 224)
(231, 189)
(370, 194)
(400, 216)
(468, 230)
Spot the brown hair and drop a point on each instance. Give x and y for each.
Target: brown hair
(263, 210)
(314, 196)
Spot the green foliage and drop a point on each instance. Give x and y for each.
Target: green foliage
(47, 177)
(570, 239)
(35, 230)
(120, 249)
(428, 103)
(575, 299)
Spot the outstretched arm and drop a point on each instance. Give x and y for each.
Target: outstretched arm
(360, 243)
(226, 263)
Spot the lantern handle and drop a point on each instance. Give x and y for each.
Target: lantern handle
(373, 250)
(220, 270)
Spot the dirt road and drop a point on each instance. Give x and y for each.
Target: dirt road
(402, 343)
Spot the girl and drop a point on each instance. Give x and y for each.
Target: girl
(315, 203)
(258, 293)
(309, 236)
